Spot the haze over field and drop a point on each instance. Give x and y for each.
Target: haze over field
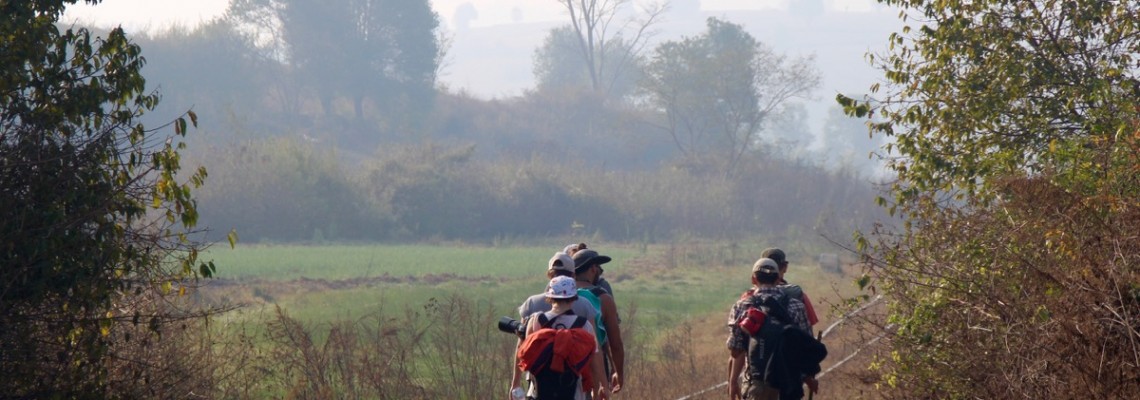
(493, 41)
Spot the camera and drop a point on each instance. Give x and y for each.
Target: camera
(511, 325)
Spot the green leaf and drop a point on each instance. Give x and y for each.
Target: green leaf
(206, 269)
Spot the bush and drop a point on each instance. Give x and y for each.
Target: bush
(1033, 297)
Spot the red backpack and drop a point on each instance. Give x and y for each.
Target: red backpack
(558, 358)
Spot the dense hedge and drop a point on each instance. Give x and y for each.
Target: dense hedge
(290, 190)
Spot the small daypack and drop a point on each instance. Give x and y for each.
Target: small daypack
(593, 295)
(558, 357)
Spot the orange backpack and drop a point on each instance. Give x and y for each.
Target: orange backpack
(558, 354)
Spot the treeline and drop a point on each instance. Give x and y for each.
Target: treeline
(290, 190)
(311, 138)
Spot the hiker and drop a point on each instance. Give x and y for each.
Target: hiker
(588, 270)
(559, 265)
(602, 282)
(795, 291)
(780, 355)
(561, 351)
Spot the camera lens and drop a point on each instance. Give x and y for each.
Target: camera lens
(510, 325)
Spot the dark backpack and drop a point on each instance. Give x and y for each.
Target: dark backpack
(793, 291)
(763, 343)
(779, 353)
(555, 382)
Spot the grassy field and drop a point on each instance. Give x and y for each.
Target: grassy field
(323, 283)
(326, 283)
(673, 298)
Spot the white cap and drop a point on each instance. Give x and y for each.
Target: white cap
(561, 287)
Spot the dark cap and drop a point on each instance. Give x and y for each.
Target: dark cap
(587, 257)
(776, 255)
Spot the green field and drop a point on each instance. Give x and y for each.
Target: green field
(414, 274)
(328, 283)
(435, 308)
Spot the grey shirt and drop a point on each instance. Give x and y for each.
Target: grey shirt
(537, 303)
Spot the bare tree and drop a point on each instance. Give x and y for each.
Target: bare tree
(600, 24)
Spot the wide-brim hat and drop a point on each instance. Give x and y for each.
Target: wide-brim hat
(586, 258)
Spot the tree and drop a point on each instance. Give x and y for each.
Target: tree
(557, 65)
(94, 220)
(211, 66)
(387, 50)
(788, 130)
(257, 23)
(606, 45)
(1015, 140)
(716, 90)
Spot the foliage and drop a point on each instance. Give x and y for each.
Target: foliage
(288, 190)
(558, 65)
(1015, 127)
(94, 218)
(1035, 298)
(180, 59)
(285, 189)
(385, 49)
(718, 88)
(983, 89)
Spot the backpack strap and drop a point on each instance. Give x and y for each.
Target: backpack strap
(779, 307)
(548, 322)
(793, 291)
(598, 291)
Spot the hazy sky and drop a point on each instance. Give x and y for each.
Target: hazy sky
(464, 71)
(144, 14)
(492, 56)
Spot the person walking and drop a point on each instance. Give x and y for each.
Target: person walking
(569, 339)
(763, 377)
(795, 291)
(560, 265)
(588, 271)
(602, 282)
